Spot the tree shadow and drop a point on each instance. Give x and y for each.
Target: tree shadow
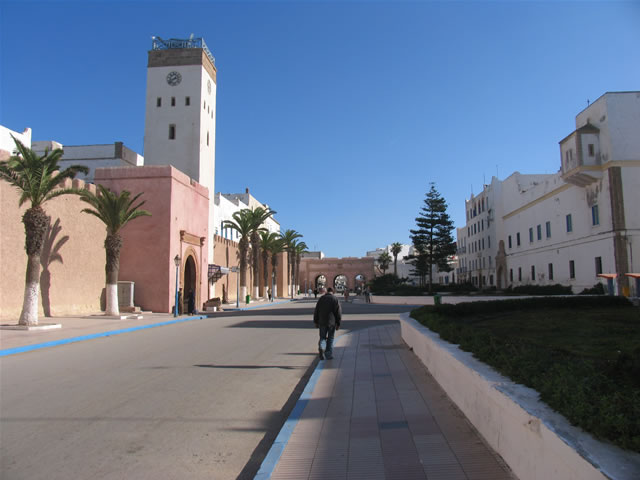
(50, 254)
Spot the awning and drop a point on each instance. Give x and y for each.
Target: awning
(607, 275)
(633, 275)
(216, 272)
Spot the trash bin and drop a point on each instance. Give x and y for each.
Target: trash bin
(437, 299)
(248, 299)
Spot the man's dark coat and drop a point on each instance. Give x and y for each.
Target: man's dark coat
(327, 312)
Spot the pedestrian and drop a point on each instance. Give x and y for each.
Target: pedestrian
(327, 317)
(192, 302)
(367, 295)
(269, 293)
(315, 293)
(346, 294)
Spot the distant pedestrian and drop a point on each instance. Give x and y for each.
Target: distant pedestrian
(192, 302)
(346, 294)
(269, 293)
(367, 295)
(315, 293)
(327, 317)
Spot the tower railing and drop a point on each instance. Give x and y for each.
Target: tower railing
(161, 44)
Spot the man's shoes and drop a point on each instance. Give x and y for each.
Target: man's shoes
(329, 356)
(321, 352)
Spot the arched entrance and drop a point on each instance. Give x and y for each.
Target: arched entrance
(321, 281)
(360, 281)
(340, 283)
(189, 283)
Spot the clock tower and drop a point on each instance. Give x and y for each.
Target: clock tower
(180, 119)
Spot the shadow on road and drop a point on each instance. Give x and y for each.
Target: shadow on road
(252, 367)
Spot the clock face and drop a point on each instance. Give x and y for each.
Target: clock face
(209, 86)
(174, 78)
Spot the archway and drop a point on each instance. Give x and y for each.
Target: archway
(340, 283)
(360, 281)
(189, 283)
(321, 281)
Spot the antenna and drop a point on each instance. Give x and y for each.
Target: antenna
(191, 37)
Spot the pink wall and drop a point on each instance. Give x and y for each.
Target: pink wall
(177, 204)
(73, 280)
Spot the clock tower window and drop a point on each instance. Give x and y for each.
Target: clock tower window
(173, 101)
(187, 101)
(172, 132)
(158, 102)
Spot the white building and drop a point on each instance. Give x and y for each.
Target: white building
(226, 204)
(569, 227)
(8, 146)
(404, 267)
(92, 156)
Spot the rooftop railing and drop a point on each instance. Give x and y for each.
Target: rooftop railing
(160, 44)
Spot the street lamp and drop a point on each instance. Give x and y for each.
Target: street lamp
(176, 261)
(236, 270)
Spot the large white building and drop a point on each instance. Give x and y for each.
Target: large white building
(226, 204)
(570, 227)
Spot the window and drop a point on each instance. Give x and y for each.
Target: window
(173, 101)
(548, 227)
(551, 271)
(569, 224)
(511, 274)
(483, 243)
(158, 102)
(207, 139)
(509, 241)
(488, 242)
(591, 150)
(172, 132)
(519, 274)
(204, 106)
(595, 215)
(598, 265)
(539, 232)
(533, 273)
(572, 269)
(518, 239)
(187, 101)
(531, 234)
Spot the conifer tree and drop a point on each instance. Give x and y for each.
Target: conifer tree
(432, 239)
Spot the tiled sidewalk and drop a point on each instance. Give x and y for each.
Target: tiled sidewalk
(376, 413)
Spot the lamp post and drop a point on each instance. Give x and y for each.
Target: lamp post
(236, 270)
(176, 261)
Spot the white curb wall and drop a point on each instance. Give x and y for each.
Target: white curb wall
(536, 442)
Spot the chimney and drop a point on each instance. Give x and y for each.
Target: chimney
(247, 190)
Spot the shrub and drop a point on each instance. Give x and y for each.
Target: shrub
(556, 289)
(582, 354)
(597, 289)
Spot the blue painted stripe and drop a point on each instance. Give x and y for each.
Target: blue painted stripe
(275, 452)
(63, 341)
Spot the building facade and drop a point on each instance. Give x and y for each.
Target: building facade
(571, 228)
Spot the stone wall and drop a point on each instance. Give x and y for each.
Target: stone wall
(72, 274)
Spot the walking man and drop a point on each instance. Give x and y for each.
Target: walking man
(327, 317)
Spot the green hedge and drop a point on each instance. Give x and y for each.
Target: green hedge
(582, 354)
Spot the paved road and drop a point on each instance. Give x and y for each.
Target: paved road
(195, 400)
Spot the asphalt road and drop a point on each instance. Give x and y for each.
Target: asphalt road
(193, 400)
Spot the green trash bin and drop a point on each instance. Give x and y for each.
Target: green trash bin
(248, 299)
(437, 299)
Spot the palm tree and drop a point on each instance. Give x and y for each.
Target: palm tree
(267, 241)
(300, 248)
(383, 261)
(289, 238)
(258, 217)
(115, 211)
(37, 177)
(242, 223)
(276, 248)
(396, 248)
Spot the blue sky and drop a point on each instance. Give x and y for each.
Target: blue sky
(336, 114)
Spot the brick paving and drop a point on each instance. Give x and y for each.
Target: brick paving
(376, 413)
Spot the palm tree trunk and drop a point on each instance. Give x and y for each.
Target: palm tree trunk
(255, 252)
(36, 223)
(243, 247)
(112, 245)
(265, 273)
(274, 275)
